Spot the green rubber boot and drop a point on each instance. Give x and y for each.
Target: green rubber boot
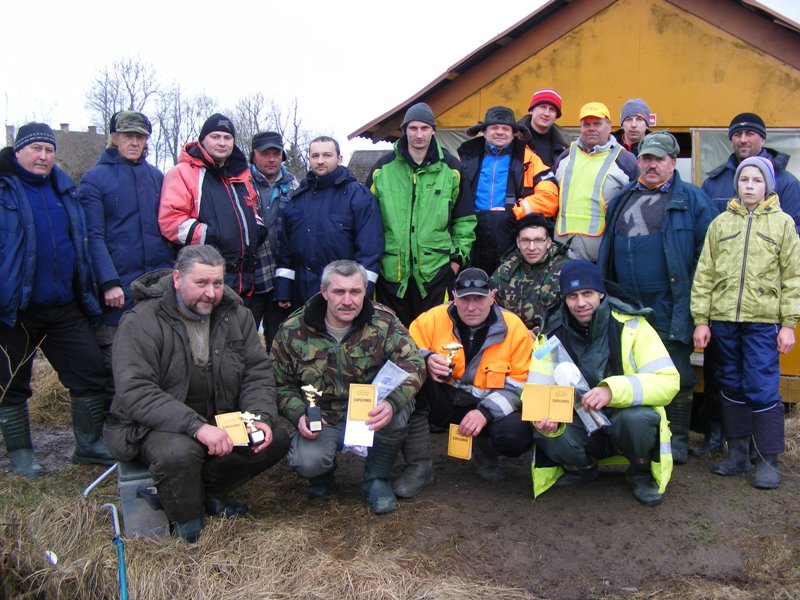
(88, 415)
(679, 413)
(17, 435)
(418, 472)
(375, 485)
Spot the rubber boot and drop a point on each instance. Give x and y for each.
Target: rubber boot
(225, 507)
(375, 484)
(575, 475)
(642, 484)
(738, 459)
(766, 475)
(88, 414)
(485, 460)
(323, 485)
(712, 442)
(17, 434)
(418, 472)
(679, 413)
(188, 531)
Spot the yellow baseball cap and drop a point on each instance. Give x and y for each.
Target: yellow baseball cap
(594, 109)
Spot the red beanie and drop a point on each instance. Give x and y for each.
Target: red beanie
(546, 96)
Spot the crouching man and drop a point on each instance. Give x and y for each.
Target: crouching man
(186, 352)
(631, 378)
(336, 339)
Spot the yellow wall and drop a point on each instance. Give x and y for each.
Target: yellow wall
(690, 73)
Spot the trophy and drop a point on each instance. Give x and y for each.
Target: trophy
(451, 349)
(254, 434)
(313, 412)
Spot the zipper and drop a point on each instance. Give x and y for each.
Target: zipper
(744, 266)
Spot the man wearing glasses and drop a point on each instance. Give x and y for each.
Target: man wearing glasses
(526, 282)
(478, 386)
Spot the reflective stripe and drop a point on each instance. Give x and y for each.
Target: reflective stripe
(638, 392)
(513, 384)
(501, 402)
(285, 273)
(597, 191)
(586, 215)
(666, 448)
(731, 400)
(656, 365)
(372, 277)
(632, 323)
(542, 378)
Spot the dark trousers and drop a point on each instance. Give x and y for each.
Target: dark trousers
(185, 475)
(494, 236)
(510, 435)
(265, 310)
(413, 304)
(65, 337)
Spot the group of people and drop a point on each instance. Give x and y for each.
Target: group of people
(150, 289)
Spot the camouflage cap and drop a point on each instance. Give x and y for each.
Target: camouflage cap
(131, 122)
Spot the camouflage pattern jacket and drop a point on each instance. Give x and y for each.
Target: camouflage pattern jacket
(304, 353)
(527, 290)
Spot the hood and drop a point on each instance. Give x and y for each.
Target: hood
(236, 165)
(156, 284)
(60, 180)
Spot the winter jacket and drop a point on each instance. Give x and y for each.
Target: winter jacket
(492, 381)
(687, 215)
(271, 199)
(749, 269)
(530, 186)
(648, 377)
(152, 362)
(304, 353)
(202, 203)
(18, 242)
(721, 187)
(559, 140)
(427, 222)
(527, 290)
(326, 219)
(120, 199)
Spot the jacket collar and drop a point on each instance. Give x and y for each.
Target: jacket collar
(316, 307)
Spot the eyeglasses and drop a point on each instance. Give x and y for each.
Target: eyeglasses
(531, 241)
(465, 284)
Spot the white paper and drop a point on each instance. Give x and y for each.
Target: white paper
(358, 433)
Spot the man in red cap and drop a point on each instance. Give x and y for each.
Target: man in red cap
(548, 140)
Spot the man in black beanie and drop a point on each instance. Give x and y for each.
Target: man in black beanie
(209, 198)
(46, 294)
(748, 134)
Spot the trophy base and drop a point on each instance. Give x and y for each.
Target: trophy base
(257, 437)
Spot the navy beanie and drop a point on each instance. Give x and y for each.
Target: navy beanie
(34, 132)
(217, 122)
(579, 275)
(747, 121)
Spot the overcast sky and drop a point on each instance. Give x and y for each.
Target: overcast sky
(346, 62)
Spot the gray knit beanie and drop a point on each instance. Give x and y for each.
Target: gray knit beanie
(763, 165)
(419, 112)
(633, 107)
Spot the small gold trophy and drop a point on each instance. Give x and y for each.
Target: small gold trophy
(451, 349)
(313, 412)
(255, 435)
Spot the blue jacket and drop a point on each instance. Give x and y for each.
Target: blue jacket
(327, 218)
(18, 242)
(686, 218)
(120, 199)
(720, 186)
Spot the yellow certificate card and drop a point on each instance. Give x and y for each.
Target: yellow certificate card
(363, 397)
(459, 446)
(233, 424)
(551, 401)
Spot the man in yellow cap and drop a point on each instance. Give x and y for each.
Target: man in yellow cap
(591, 173)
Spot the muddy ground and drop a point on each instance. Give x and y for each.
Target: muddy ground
(589, 541)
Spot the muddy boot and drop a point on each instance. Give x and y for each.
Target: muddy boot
(712, 442)
(418, 472)
(738, 459)
(188, 531)
(17, 434)
(375, 485)
(485, 460)
(323, 485)
(679, 413)
(642, 484)
(225, 507)
(88, 415)
(766, 476)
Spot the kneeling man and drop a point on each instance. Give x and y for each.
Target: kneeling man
(187, 351)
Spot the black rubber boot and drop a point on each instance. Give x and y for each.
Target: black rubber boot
(738, 459)
(418, 472)
(679, 413)
(713, 442)
(766, 475)
(188, 531)
(226, 507)
(375, 484)
(576, 475)
(485, 459)
(88, 414)
(17, 435)
(323, 485)
(642, 484)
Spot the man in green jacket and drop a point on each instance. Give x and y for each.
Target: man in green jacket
(336, 339)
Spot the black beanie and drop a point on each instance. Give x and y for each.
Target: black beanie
(749, 121)
(34, 132)
(217, 122)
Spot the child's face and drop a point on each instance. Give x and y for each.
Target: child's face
(752, 187)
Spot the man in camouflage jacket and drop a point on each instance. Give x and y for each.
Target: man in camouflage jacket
(527, 279)
(339, 338)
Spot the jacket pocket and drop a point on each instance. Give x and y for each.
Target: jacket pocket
(496, 373)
